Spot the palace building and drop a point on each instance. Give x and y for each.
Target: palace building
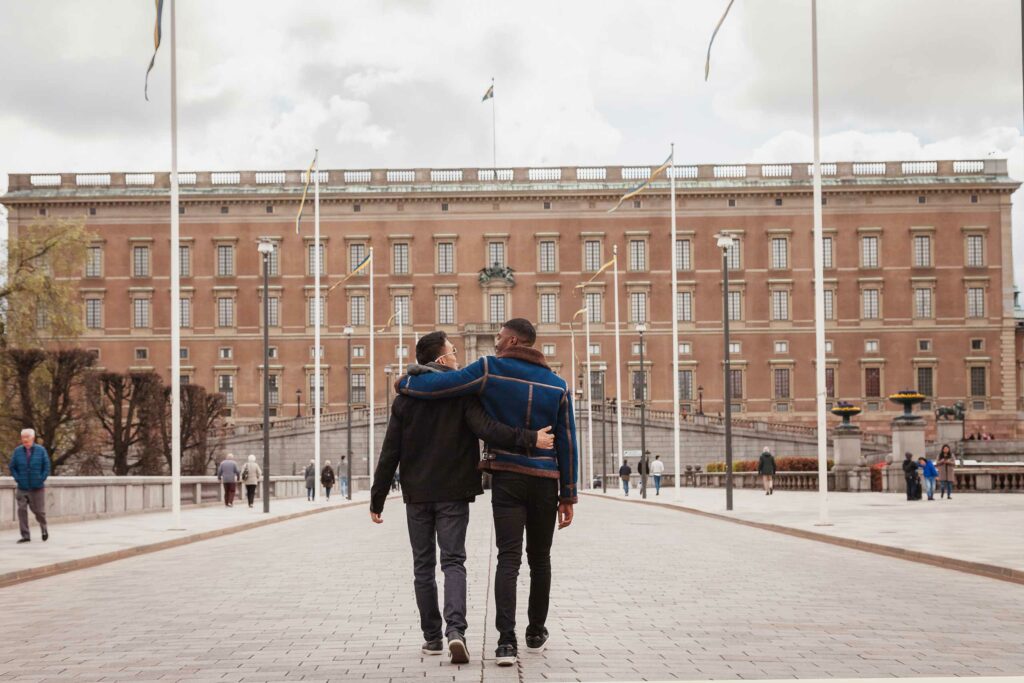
(919, 287)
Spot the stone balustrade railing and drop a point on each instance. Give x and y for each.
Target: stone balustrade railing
(792, 481)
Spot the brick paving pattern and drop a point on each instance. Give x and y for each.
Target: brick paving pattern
(641, 593)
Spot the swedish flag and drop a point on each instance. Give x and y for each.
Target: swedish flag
(156, 42)
(489, 94)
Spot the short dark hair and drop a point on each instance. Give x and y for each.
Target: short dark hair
(524, 330)
(430, 347)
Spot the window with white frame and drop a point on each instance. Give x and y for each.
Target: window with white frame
(686, 385)
(496, 254)
(496, 308)
(638, 254)
(684, 306)
(685, 348)
(735, 347)
(595, 306)
(781, 347)
(869, 252)
(185, 260)
(548, 308)
(926, 380)
(684, 255)
(978, 377)
(225, 260)
(446, 309)
(547, 256)
(781, 380)
(402, 309)
(736, 382)
(830, 382)
(400, 258)
(356, 254)
(872, 382)
(830, 304)
(274, 390)
(780, 253)
(828, 346)
(735, 305)
(359, 387)
(975, 302)
(94, 262)
(637, 346)
(548, 349)
(827, 252)
(871, 346)
(323, 388)
(274, 311)
(225, 311)
(975, 251)
(869, 304)
(312, 352)
(446, 258)
(780, 304)
(311, 255)
(357, 310)
(94, 313)
(591, 255)
(311, 311)
(923, 302)
(226, 353)
(274, 260)
(226, 386)
(922, 251)
(638, 307)
(733, 255)
(184, 312)
(140, 260)
(595, 349)
(641, 385)
(140, 313)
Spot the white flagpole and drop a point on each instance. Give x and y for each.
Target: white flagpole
(494, 133)
(175, 293)
(371, 425)
(675, 333)
(618, 360)
(819, 287)
(590, 408)
(317, 317)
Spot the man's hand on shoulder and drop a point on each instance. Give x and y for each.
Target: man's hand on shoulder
(564, 515)
(545, 439)
(375, 517)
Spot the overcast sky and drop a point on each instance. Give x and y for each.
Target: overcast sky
(397, 83)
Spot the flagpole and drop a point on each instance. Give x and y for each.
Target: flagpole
(675, 332)
(590, 407)
(819, 287)
(317, 316)
(618, 360)
(494, 133)
(371, 424)
(175, 292)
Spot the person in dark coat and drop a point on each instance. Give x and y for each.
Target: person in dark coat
(310, 475)
(436, 444)
(624, 473)
(30, 467)
(327, 478)
(766, 468)
(947, 469)
(910, 474)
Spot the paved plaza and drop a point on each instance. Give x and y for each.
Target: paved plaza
(641, 593)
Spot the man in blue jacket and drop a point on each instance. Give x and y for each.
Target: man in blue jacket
(530, 486)
(30, 466)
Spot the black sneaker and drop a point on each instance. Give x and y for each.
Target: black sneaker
(24, 540)
(433, 647)
(536, 641)
(457, 649)
(506, 655)
(46, 535)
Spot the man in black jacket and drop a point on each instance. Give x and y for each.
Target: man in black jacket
(436, 444)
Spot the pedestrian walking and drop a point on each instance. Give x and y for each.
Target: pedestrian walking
(30, 467)
(657, 469)
(947, 469)
(327, 479)
(624, 473)
(343, 477)
(252, 475)
(766, 468)
(930, 475)
(229, 474)
(311, 480)
(910, 474)
(643, 468)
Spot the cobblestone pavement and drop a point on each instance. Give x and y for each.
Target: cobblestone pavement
(641, 593)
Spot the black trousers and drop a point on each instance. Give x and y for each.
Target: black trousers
(522, 503)
(250, 493)
(432, 526)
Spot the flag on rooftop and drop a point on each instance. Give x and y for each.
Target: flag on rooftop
(156, 43)
(642, 186)
(489, 94)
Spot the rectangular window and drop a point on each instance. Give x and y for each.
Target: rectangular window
(686, 385)
(273, 312)
(225, 260)
(357, 310)
(782, 347)
(94, 262)
(922, 251)
(359, 351)
(736, 383)
(184, 313)
(685, 348)
(978, 382)
(638, 307)
(185, 260)
(140, 313)
(400, 254)
(780, 253)
(323, 389)
(869, 299)
(975, 302)
(402, 310)
(274, 394)
(830, 382)
(225, 312)
(872, 382)
(733, 256)
(42, 317)
(826, 245)
(684, 255)
(548, 308)
(782, 383)
(591, 255)
(780, 305)
(311, 253)
(869, 252)
(641, 387)
(923, 303)
(637, 255)
(446, 309)
(359, 387)
(140, 261)
(225, 353)
(547, 256)
(735, 306)
(871, 346)
(445, 258)
(735, 347)
(274, 261)
(595, 349)
(311, 311)
(975, 251)
(548, 349)
(496, 254)
(226, 386)
(356, 254)
(496, 308)
(684, 306)
(594, 306)
(925, 384)
(94, 313)
(830, 305)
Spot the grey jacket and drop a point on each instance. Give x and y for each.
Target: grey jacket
(228, 471)
(310, 476)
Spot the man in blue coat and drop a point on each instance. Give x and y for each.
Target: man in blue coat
(530, 486)
(30, 466)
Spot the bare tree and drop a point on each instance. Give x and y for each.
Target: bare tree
(119, 401)
(200, 427)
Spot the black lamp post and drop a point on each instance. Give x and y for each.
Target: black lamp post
(348, 422)
(266, 248)
(641, 328)
(298, 403)
(604, 438)
(725, 241)
(700, 399)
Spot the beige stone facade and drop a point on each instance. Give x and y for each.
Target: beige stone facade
(918, 277)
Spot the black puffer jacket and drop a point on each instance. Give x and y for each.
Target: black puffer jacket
(436, 443)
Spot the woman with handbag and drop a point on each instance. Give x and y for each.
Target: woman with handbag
(252, 475)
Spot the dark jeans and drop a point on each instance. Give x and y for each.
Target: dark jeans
(913, 488)
(36, 500)
(229, 492)
(446, 522)
(946, 486)
(250, 493)
(327, 489)
(522, 503)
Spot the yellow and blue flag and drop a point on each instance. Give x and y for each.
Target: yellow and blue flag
(643, 186)
(362, 264)
(594, 277)
(489, 94)
(707, 63)
(156, 42)
(305, 191)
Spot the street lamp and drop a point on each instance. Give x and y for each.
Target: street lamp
(266, 248)
(298, 402)
(700, 399)
(725, 241)
(348, 422)
(641, 328)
